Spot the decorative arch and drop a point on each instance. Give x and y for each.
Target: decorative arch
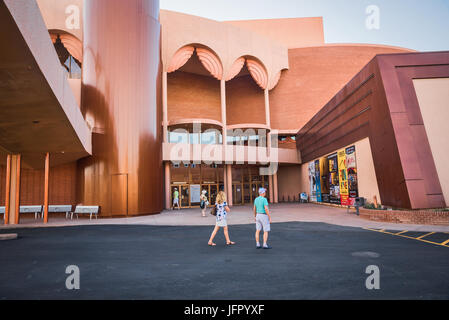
(210, 62)
(73, 45)
(258, 72)
(255, 67)
(275, 80)
(180, 58)
(207, 57)
(236, 68)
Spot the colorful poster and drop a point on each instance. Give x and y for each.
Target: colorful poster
(318, 181)
(324, 179)
(343, 178)
(351, 165)
(312, 180)
(334, 186)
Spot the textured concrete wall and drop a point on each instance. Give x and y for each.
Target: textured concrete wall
(433, 97)
(192, 96)
(315, 75)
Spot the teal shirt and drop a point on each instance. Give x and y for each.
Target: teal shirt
(260, 204)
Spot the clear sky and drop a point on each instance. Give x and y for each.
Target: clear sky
(416, 24)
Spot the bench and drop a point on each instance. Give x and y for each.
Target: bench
(37, 210)
(91, 210)
(67, 209)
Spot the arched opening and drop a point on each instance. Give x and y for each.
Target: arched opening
(70, 52)
(193, 94)
(245, 99)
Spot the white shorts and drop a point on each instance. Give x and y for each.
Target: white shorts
(263, 223)
(175, 201)
(222, 223)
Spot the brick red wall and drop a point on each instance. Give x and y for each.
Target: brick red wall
(62, 186)
(408, 217)
(245, 101)
(315, 75)
(193, 96)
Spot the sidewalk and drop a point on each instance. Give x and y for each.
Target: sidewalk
(240, 215)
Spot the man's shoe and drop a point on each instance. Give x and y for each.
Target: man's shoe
(267, 247)
(259, 247)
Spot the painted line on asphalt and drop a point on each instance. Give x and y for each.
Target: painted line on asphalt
(425, 235)
(444, 244)
(401, 232)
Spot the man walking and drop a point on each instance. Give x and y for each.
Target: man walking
(176, 199)
(263, 218)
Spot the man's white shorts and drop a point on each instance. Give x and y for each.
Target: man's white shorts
(263, 223)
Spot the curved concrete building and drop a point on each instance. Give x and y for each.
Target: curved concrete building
(139, 102)
(121, 102)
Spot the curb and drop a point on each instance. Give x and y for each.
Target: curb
(5, 237)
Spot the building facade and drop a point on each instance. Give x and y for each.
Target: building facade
(118, 103)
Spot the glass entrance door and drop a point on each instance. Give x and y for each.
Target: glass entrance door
(237, 189)
(213, 193)
(185, 196)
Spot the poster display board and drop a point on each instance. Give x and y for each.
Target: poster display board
(312, 179)
(333, 179)
(324, 179)
(195, 193)
(318, 181)
(334, 185)
(343, 177)
(351, 167)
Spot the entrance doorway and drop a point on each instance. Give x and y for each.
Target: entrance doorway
(183, 191)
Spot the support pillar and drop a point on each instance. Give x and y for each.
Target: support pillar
(165, 106)
(167, 185)
(8, 189)
(275, 188)
(270, 187)
(267, 108)
(229, 186)
(12, 203)
(46, 186)
(223, 112)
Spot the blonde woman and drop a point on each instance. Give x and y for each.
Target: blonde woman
(222, 209)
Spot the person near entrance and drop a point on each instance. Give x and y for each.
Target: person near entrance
(176, 199)
(204, 202)
(222, 209)
(263, 218)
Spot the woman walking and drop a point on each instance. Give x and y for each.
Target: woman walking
(222, 209)
(204, 202)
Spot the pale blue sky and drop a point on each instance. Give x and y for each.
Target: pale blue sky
(417, 24)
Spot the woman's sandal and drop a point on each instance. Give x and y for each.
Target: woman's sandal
(230, 243)
(212, 244)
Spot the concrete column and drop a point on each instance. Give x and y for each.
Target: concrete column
(229, 180)
(46, 186)
(8, 189)
(165, 106)
(223, 110)
(225, 178)
(167, 185)
(270, 187)
(275, 188)
(13, 190)
(267, 108)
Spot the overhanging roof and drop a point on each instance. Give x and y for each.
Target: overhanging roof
(38, 111)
